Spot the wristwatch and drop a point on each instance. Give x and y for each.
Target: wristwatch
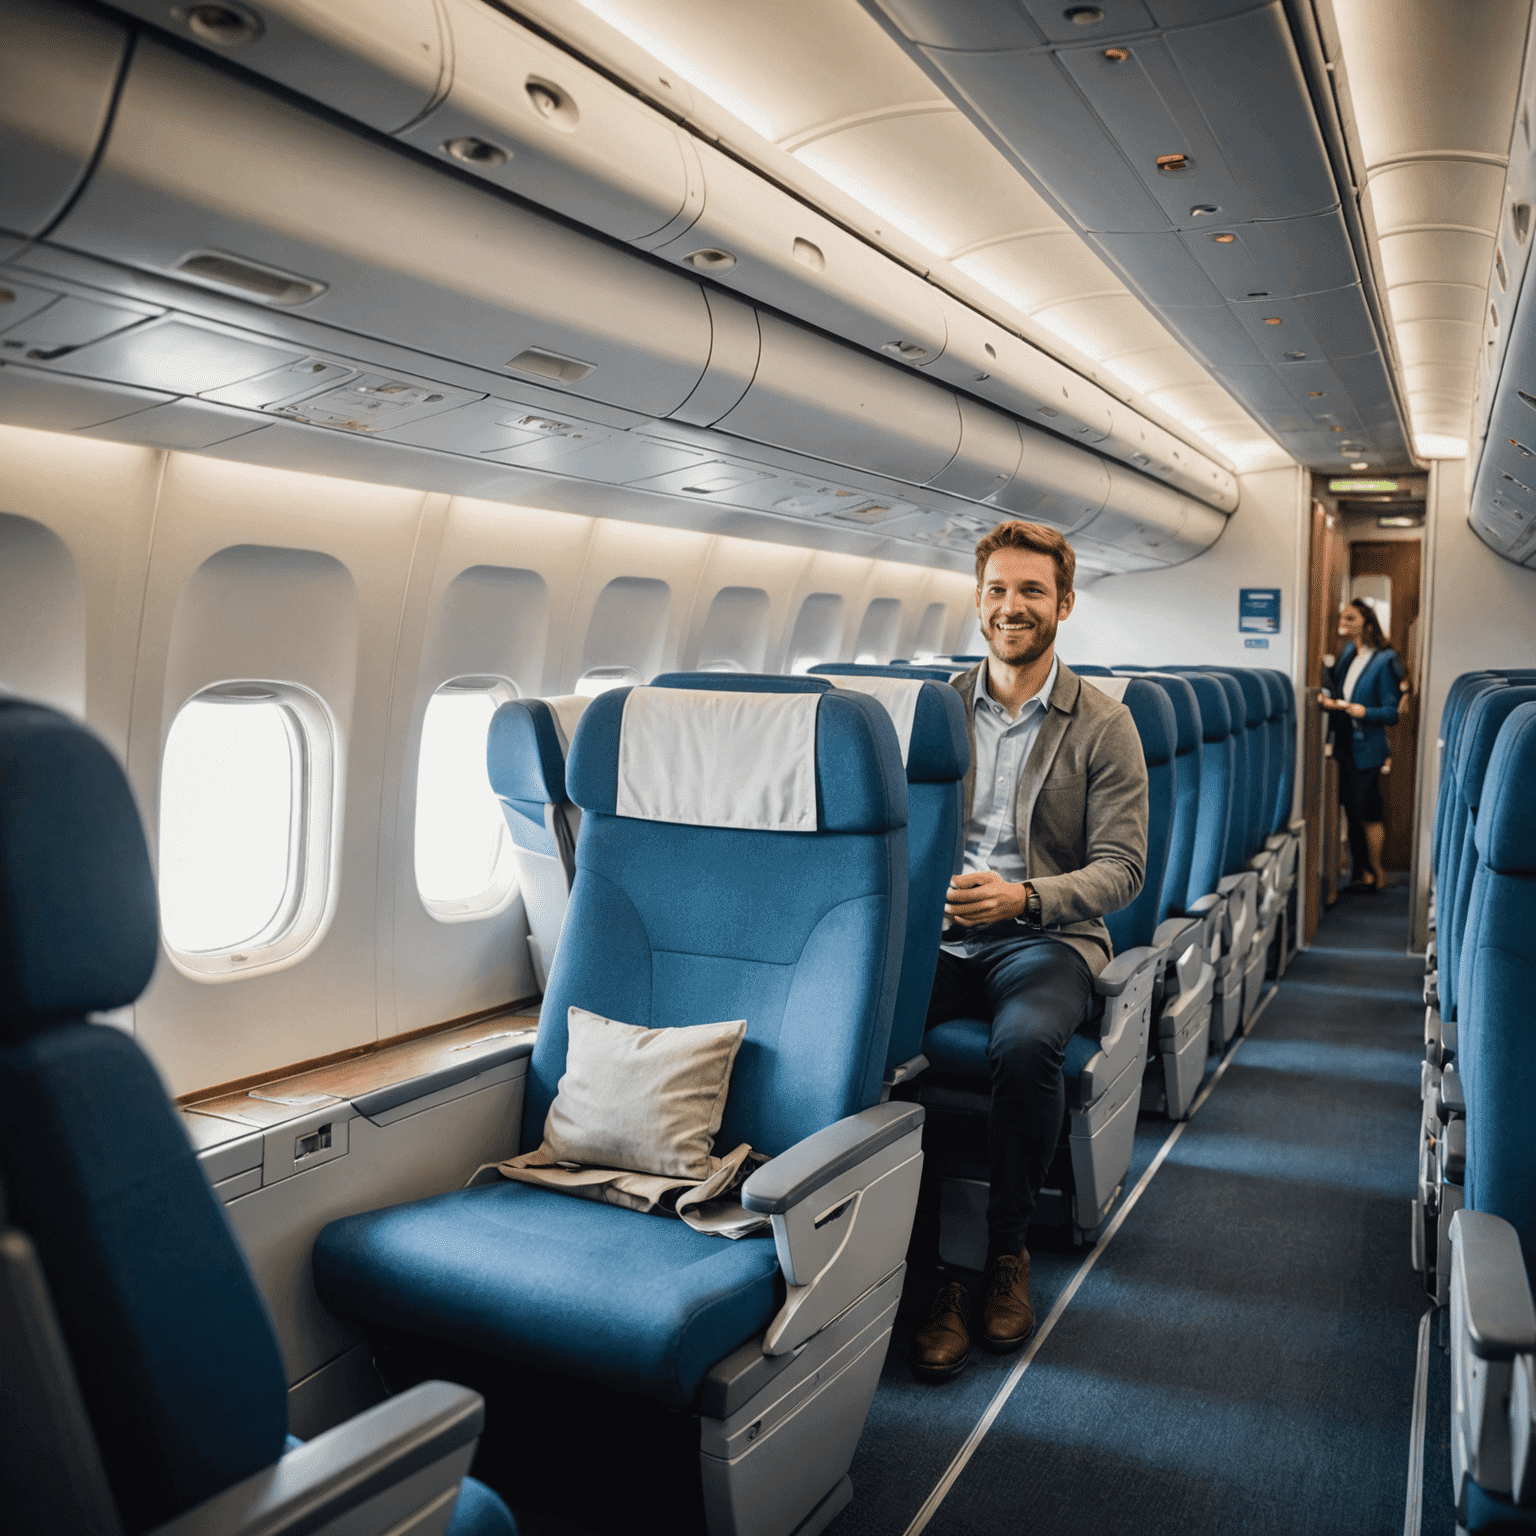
(1031, 917)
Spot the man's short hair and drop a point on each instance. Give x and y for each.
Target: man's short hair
(1035, 536)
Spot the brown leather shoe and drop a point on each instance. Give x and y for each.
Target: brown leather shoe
(1007, 1316)
(941, 1348)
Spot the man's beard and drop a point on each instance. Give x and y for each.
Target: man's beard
(1037, 642)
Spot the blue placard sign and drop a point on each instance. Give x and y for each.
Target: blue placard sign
(1257, 645)
(1258, 610)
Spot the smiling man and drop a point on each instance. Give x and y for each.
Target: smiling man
(1055, 837)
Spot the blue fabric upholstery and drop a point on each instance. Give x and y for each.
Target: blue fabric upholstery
(1258, 783)
(1496, 1048)
(1274, 749)
(1286, 788)
(1495, 1513)
(637, 1303)
(1481, 724)
(958, 1048)
(78, 927)
(526, 765)
(1188, 752)
(1235, 854)
(1158, 729)
(1217, 767)
(798, 933)
(1457, 697)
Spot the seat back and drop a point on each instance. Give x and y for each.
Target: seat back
(1155, 723)
(1217, 770)
(1260, 785)
(1286, 789)
(1484, 719)
(1456, 699)
(1496, 1049)
(175, 1356)
(682, 914)
(930, 726)
(525, 754)
(1187, 755)
(1234, 848)
(1272, 816)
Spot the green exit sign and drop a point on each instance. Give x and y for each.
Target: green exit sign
(1362, 485)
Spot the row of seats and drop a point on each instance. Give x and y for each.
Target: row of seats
(1474, 1226)
(1218, 901)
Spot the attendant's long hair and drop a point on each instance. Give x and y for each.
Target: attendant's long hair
(1370, 626)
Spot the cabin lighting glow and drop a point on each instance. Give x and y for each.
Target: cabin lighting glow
(828, 168)
(1361, 465)
(691, 71)
(1439, 445)
(1362, 485)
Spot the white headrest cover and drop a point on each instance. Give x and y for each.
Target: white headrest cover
(1113, 686)
(744, 760)
(898, 695)
(567, 708)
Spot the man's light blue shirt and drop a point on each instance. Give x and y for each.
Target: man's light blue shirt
(1002, 749)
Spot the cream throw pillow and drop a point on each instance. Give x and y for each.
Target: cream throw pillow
(647, 1100)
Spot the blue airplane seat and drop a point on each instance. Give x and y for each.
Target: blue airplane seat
(1257, 859)
(139, 1317)
(1239, 887)
(1105, 1060)
(525, 752)
(1493, 1317)
(937, 755)
(695, 902)
(1182, 998)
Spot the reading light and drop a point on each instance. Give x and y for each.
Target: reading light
(1316, 394)
(1272, 320)
(1117, 55)
(1360, 464)
(1084, 15)
(1224, 239)
(1171, 165)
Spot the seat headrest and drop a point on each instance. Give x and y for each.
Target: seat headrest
(741, 682)
(935, 674)
(1237, 700)
(1153, 713)
(1506, 824)
(526, 747)
(1474, 751)
(1287, 688)
(1097, 671)
(1274, 698)
(928, 714)
(1255, 694)
(1186, 709)
(754, 761)
(78, 927)
(1215, 710)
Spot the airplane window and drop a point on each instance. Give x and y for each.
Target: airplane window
(734, 635)
(877, 634)
(721, 666)
(818, 632)
(464, 860)
(596, 680)
(930, 632)
(247, 792)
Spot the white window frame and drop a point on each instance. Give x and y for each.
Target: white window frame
(314, 845)
(616, 676)
(500, 895)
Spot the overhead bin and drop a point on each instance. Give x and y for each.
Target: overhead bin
(526, 116)
(58, 67)
(815, 397)
(381, 62)
(373, 242)
(1140, 517)
(988, 455)
(1055, 483)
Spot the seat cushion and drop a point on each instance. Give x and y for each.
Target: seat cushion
(639, 1303)
(958, 1048)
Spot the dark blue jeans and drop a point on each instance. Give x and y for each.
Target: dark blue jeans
(1037, 991)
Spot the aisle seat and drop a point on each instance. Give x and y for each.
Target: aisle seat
(1493, 1240)
(695, 902)
(1287, 837)
(142, 1384)
(1105, 1059)
(525, 753)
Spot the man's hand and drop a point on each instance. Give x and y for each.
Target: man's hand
(983, 897)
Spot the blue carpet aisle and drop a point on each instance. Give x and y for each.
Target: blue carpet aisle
(1241, 1356)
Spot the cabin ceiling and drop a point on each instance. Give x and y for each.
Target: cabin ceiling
(1341, 322)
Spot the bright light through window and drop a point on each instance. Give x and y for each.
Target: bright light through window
(464, 859)
(229, 801)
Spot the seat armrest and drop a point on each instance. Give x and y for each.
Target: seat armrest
(1453, 1153)
(1168, 931)
(863, 1173)
(1123, 970)
(905, 1071)
(1488, 1269)
(1182, 941)
(1452, 1100)
(406, 1454)
(792, 1176)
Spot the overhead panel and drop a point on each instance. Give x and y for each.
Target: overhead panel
(1180, 140)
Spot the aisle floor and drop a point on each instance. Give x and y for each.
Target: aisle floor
(1240, 1354)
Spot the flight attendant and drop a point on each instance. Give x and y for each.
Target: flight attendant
(1360, 693)
(1056, 836)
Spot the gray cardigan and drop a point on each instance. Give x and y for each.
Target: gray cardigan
(1082, 810)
